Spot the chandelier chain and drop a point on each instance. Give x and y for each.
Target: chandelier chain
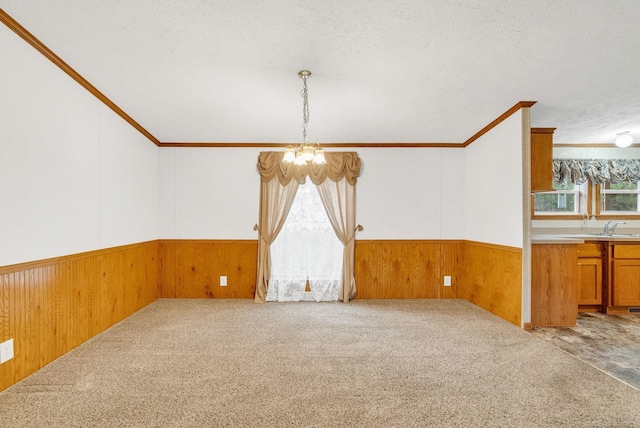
(305, 108)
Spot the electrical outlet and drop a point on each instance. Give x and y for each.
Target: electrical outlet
(447, 281)
(6, 351)
(223, 281)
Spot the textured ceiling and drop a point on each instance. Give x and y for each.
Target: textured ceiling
(383, 71)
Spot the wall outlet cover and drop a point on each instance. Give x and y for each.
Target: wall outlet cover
(223, 281)
(6, 351)
(447, 281)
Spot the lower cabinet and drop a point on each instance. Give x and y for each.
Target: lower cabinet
(625, 281)
(590, 283)
(590, 276)
(554, 283)
(626, 275)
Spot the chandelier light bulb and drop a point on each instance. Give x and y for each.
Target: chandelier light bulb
(289, 154)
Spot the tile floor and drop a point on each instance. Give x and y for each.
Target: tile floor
(608, 342)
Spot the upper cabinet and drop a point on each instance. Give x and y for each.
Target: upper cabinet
(542, 159)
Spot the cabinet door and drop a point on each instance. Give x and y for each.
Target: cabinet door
(626, 282)
(542, 159)
(590, 291)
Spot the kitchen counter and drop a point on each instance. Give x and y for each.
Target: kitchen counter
(579, 238)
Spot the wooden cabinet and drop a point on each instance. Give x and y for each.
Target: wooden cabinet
(626, 275)
(554, 280)
(590, 273)
(590, 283)
(542, 159)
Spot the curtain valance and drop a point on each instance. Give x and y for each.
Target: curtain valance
(339, 165)
(597, 171)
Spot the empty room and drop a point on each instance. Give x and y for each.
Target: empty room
(340, 213)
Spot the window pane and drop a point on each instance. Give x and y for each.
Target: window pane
(620, 202)
(554, 202)
(564, 186)
(625, 185)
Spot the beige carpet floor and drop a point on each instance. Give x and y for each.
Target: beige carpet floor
(375, 363)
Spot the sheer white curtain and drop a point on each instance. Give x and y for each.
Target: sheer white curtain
(306, 248)
(339, 199)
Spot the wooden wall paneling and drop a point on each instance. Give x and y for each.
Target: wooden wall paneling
(451, 256)
(492, 279)
(167, 269)
(555, 280)
(50, 313)
(237, 260)
(20, 287)
(194, 264)
(401, 269)
(52, 306)
(5, 376)
(33, 319)
(195, 267)
(150, 266)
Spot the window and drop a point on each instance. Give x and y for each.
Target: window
(306, 254)
(567, 199)
(619, 198)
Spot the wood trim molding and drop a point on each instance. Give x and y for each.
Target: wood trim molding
(14, 26)
(543, 130)
(207, 241)
(495, 246)
(410, 241)
(324, 145)
(497, 121)
(70, 257)
(592, 145)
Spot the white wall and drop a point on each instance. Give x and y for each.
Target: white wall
(402, 193)
(493, 185)
(411, 194)
(74, 177)
(208, 193)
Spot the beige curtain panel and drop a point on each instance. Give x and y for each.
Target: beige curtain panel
(278, 186)
(275, 203)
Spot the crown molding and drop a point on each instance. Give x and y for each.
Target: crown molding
(14, 26)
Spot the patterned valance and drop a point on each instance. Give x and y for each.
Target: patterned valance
(597, 171)
(339, 165)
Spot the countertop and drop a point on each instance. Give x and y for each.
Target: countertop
(579, 238)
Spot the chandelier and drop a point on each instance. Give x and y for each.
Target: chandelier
(306, 152)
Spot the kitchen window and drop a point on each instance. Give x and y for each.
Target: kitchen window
(618, 198)
(568, 199)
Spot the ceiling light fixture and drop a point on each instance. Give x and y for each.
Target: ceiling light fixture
(624, 139)
(306, 152)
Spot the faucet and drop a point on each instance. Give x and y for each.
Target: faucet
(610, 229)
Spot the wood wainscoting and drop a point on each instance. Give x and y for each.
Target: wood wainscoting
(413, 269)
(51, 306)
(192, 268)
(492, 279)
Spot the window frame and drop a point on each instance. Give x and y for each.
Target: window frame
(612, 215)
(536, 215)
